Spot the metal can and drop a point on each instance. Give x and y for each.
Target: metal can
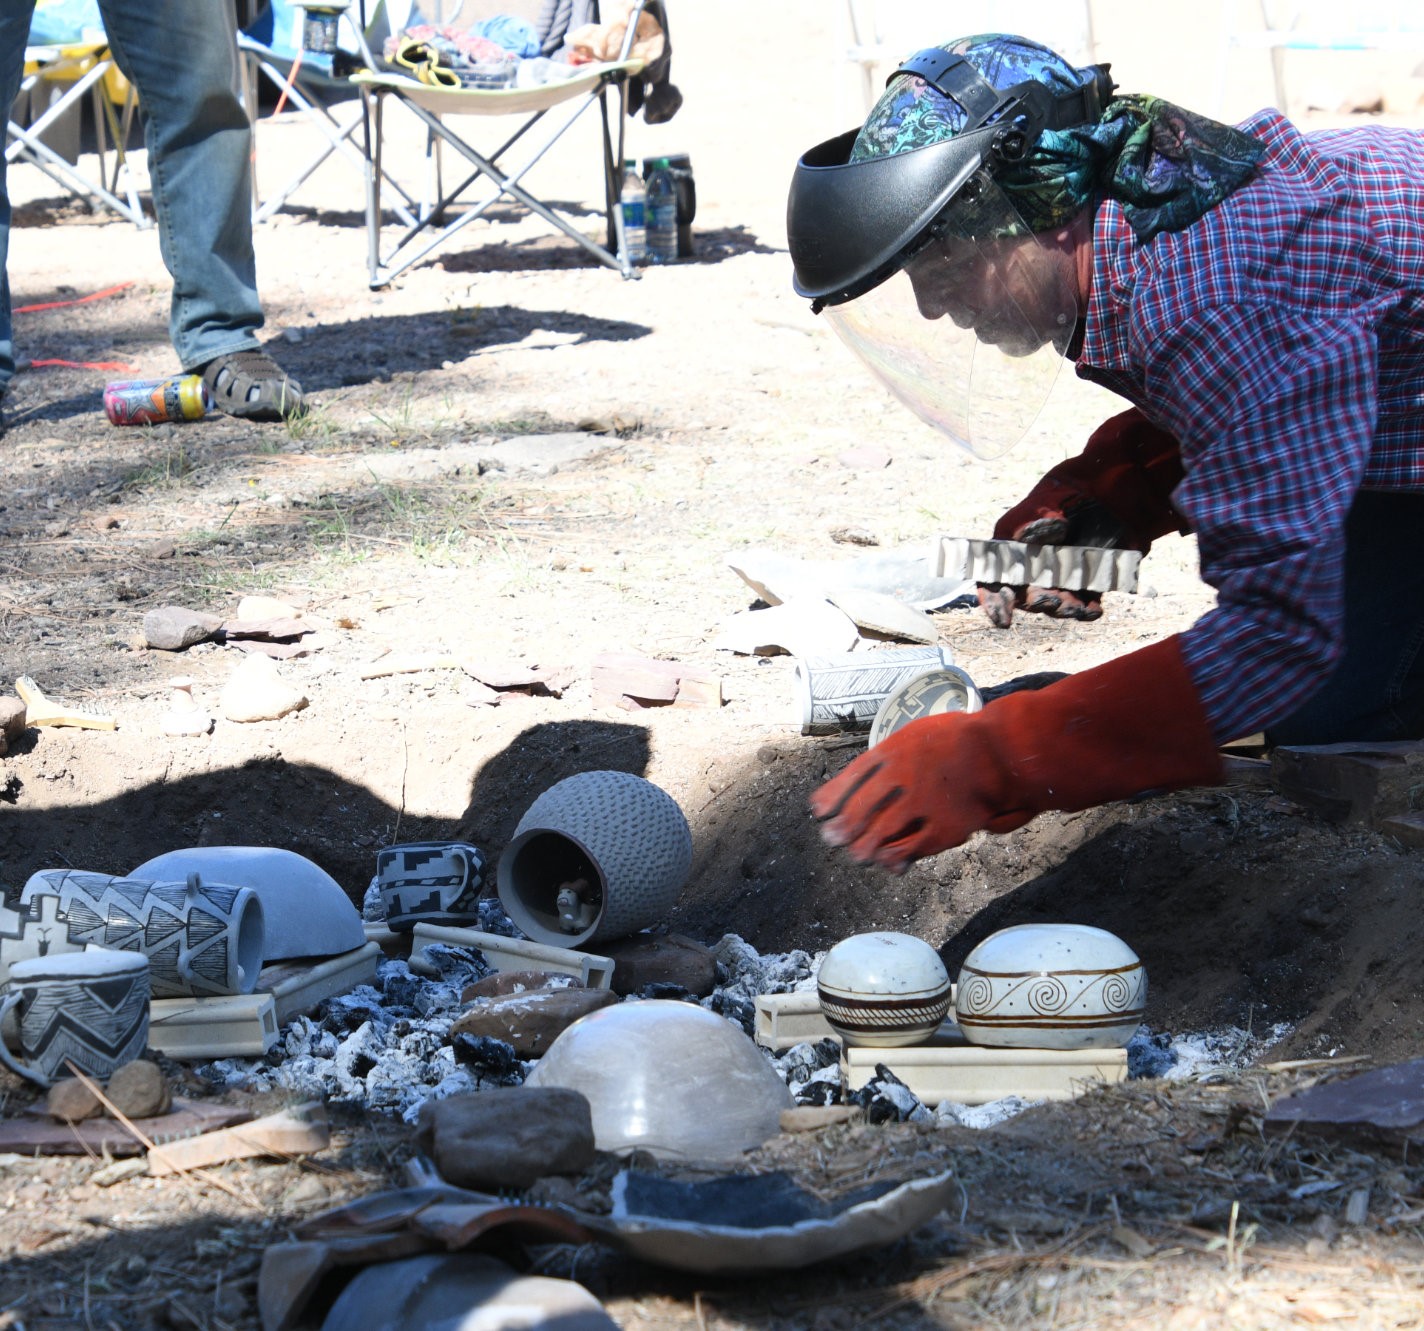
(153, 401)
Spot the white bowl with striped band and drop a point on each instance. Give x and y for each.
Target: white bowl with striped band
(883, 989)
(1051, 986)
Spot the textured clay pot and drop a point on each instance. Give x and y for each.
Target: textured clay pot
(598, 855)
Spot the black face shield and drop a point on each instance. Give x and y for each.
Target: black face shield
(926, 268)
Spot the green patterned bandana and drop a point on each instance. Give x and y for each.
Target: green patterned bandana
(1164, 165)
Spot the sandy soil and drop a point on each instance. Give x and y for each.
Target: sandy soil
(720, 416)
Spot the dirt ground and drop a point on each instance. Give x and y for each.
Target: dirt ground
(719, 416)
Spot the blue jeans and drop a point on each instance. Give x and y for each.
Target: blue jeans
(1377, 690)
(181, 55)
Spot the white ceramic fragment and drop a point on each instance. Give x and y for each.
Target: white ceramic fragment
(254, 609)
(804, 626)
(1075, 567)
(670, 1078)
(510, 954)
(1051, 986)
(879, 613)
(305, 912)
(903, 573)
(883, 989)
(256, 691)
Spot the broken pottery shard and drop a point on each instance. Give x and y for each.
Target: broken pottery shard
(256, 692)
(508, 1137)
(276, 630)
(532, 1020)
(750, 1242)
(1016, 564)
(171, 628)
(255, 608)
(1383, 1104)
(630, 681)
(905, 573)
(804, 626)
(864, 458)
(440, 1293)
(875, 612)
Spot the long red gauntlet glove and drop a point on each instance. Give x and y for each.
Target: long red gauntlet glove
(1116, 493)
(1120, 729)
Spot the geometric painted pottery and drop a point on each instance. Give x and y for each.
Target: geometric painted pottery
(89, 1007)
(667, 1077)
(883, 989)
(199, 938)
(598, 855)
(305, 912)
(36, 929)
(930, 693)
(430, 882)
(1051, 986)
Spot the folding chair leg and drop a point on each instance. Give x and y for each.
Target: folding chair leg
(25, 145)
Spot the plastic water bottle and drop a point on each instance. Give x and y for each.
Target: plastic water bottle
(632, 201)
(662, 213)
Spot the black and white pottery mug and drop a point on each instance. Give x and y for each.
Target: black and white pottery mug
(430, 882)
(85, 1008)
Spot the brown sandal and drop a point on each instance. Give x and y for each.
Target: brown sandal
(250, 384)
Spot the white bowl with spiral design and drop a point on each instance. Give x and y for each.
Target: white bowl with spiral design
(1051, 986)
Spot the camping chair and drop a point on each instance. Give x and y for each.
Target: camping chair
(68, 72)
(317, 88)
(1314, 26)
(550, 108)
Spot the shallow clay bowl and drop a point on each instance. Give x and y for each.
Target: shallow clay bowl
(1051, 986)
(883, 989)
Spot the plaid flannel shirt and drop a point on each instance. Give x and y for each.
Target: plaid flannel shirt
(1280, 338)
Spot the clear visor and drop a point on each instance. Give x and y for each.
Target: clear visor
(971, 333)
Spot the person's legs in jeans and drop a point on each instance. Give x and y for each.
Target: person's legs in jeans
(182, 58)
(14, 32)
(1377, 690)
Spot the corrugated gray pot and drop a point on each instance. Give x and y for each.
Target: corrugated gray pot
(598, 855)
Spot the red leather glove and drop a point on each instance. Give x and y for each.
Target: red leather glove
(1132, 725)
(1117, 493)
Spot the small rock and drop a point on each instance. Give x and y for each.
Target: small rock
(171, 628)
(72, 1101)
(265, 607)
(515, 982)
(138, 1090)
(810, 1118)
(509, 1137)
(646, 959)
(864, 458)
(257, 692)
(12, 718)
(531, 1021)
(116, 1171)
